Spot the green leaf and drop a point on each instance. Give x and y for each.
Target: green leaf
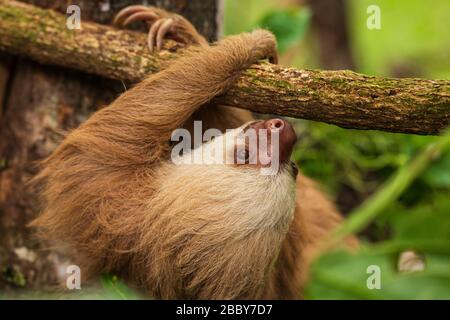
(114, 289)
(288, 25)
(439, 174)
(426, 222)
(424, 229)
(341, 275)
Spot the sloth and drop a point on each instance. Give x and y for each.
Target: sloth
(113, 192)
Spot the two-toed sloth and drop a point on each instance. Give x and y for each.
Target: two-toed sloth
(213, 231)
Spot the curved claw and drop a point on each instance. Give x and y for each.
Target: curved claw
(160, 23)
(140, 15)
(124, 13)
(152, 33)
(166, 26)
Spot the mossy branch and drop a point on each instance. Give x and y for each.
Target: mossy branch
(343, 98)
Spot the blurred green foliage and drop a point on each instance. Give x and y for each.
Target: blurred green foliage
(414, 35)
(110, 287)
(425, 228)
(115, 289)
(289, 25)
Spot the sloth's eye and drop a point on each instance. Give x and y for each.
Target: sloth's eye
(242, 156)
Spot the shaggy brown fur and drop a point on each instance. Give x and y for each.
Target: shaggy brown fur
(111, 192)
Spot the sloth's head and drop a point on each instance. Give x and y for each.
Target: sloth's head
(243, 175)
(265, 145)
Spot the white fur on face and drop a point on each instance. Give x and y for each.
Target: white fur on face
(250, 200)
(237, 146)
(220, 149)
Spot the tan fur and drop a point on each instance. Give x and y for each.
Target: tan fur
(111, 193)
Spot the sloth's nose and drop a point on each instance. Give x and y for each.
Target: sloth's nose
(287, 136)
(274, 124)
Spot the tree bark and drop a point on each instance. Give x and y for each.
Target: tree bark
(37, 102)
(343, 98)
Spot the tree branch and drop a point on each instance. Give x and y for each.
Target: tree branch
(343, 98)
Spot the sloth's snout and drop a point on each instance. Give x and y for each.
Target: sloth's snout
(274, 124)
(287, 136)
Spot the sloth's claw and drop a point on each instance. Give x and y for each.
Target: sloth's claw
(164, 28)
(126, 12)
(147, 16)
(152, 34)
(161, 25)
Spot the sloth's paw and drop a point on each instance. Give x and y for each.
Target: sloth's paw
(162, 24)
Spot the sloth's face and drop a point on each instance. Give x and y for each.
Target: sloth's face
(263, 144)
(244, 178)
(266, 141)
